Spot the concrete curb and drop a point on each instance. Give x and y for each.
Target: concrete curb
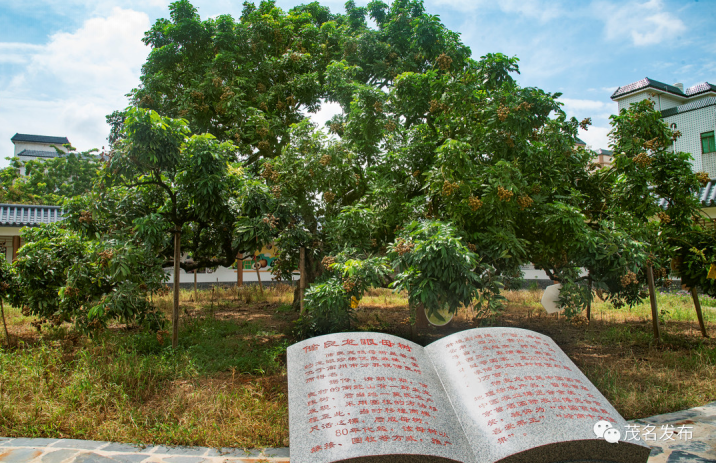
(24, 450)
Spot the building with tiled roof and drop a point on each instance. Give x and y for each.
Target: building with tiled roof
(30, 147)
(691, 111)
(604, 157)
(15, 216)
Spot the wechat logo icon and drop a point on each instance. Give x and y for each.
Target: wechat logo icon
(604, 430)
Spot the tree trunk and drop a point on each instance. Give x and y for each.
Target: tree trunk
(196, 297)
(175, 311)
(652, 299)
(239, 270)
(310, 276)
(421, 321)
(257, 266)
(421, 318)
(2, 312)
(697, 305)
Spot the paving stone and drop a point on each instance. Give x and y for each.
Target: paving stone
(119, 447)
(58, 456)
(187, 451)
(32, 442)
(91, 457)
(183, 460)
(129, 457)
(693, 446)
(234, 452)
(282, 452)
(79, 444)
(5, 441)
(19, 455)
(679, 456)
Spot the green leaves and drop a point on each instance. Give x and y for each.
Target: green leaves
(436, 267)
(49, 181)
(61, 276)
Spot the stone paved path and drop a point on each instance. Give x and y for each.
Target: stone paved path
(701, 448)
(23, 450)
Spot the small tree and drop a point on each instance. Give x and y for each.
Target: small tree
(8, 288)
(637, 212)
(438, 270)
(64, 276)
(174, 191)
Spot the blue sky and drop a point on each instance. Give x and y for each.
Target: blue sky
(64, 65)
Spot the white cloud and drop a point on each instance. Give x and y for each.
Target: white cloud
(644, 23)
(574, 105)
(596, 137)
(17, 53)
(68, 85)
(103, 57)
(534, 9)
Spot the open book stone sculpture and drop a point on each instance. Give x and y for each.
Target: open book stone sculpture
(479, 396)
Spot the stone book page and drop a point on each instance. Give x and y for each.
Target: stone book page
(519, 398)
(369, 397)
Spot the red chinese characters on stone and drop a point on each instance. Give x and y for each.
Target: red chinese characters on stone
(355, 410)
(337, 360)
(513, 400)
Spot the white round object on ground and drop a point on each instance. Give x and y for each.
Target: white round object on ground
(550, 298)
(443, 313)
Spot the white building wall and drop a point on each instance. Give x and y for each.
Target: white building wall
(664, 101)
(661, 101)
(692, 124)
(633, 98)
(23, 145)
(221, 275)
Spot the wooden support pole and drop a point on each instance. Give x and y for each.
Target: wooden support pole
(652, 299)
(196, 297)
(15, 246)
(302, 279)
(697, 305)
(175, 311)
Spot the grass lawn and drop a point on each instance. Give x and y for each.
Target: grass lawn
(225, 386)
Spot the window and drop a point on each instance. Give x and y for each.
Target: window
(708, 143)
